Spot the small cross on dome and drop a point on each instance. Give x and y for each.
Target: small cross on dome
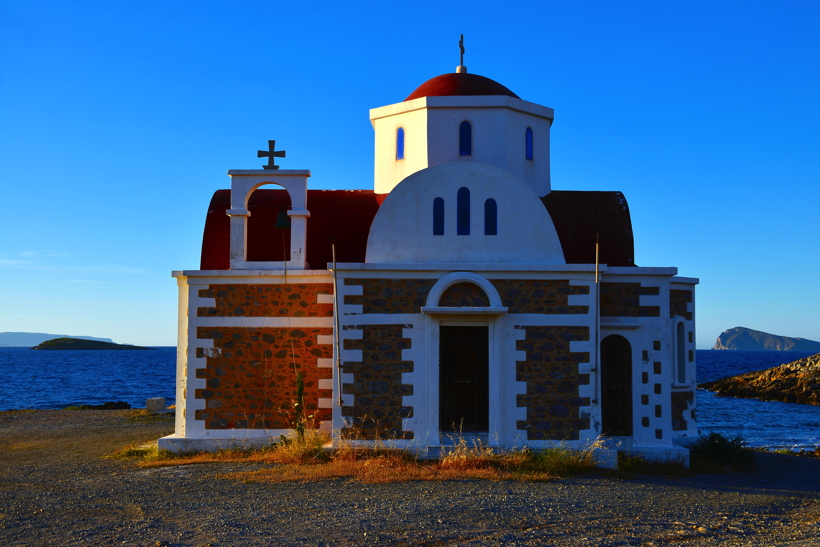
(461, 68)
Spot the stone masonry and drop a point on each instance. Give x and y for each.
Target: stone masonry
(377, 387)
(623, 300)
(551, 373)
(268, 300)
(251, 375)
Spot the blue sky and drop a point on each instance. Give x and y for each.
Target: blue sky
(118, 120)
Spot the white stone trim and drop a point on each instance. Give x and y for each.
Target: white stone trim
(324, 298)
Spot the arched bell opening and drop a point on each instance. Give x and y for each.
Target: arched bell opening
(269, 216)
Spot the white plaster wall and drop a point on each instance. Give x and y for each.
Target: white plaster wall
(498, 139)
(402, 230)
(432, 137)
(388, 170)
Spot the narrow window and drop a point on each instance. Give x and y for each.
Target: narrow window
(529, 143)
(463, 212)
(438, 217)
(680, 367)
(400, 143)
(465, 139)
(490, 218)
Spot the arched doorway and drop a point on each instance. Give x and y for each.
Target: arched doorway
(616, 386)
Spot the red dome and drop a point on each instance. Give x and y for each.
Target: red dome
(459, 83)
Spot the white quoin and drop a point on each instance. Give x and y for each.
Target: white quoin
(430, 128)
(243, 184)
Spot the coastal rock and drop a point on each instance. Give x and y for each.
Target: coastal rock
(795, 382)
(741, 338)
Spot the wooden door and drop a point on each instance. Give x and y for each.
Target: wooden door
(616, 386)
(464, 404)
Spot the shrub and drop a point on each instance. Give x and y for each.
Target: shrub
(713, 453)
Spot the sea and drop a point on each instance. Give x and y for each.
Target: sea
(57, 379)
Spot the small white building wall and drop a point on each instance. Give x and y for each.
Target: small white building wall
(641, 332)
(190, 434)
(499, 125)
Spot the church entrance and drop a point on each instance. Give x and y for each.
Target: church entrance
(616, 386)
(464, 404)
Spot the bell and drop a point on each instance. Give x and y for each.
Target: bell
(282, 221)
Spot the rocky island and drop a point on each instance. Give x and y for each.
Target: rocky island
(79, 344)
(742, 338)
(795, 382)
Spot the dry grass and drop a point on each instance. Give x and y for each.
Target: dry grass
(308, 460)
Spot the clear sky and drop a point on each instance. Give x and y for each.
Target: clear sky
(118, 121)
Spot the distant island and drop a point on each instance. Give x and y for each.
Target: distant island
(82, 344)
(741, 338)
(30, 339)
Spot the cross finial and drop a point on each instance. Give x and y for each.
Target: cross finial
(270, 154)
(461, 67)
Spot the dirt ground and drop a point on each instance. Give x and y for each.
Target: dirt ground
(58, 489)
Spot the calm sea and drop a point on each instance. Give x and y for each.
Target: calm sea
(56, 379)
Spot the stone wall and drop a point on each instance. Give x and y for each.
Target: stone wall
(551, 373)
(543, 296)
(269, 300)
(390, 295)
(678, 299)
(250, 376)
(464, 295)
(624, 300)
(519, 295)
(681, 401)
(377, 387)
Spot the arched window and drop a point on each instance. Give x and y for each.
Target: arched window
(680, 354)
(490, 218)
(438, 217)
(465, 139)
(400, 143)
(528, 136)
(463, 212)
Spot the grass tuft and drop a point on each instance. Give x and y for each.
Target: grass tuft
(306, 459)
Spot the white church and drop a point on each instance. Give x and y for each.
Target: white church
(461, 297)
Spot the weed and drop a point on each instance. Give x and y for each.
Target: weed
(714, 453)
(635, 464)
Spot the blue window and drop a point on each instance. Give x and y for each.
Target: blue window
(465, 139)
(463, 212)
(400, 143)
(529, 143)
(490, 218)
(438, 217)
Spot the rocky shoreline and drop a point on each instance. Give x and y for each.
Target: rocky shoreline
(795, 382)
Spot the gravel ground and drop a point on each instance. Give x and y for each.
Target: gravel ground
(57, 489)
